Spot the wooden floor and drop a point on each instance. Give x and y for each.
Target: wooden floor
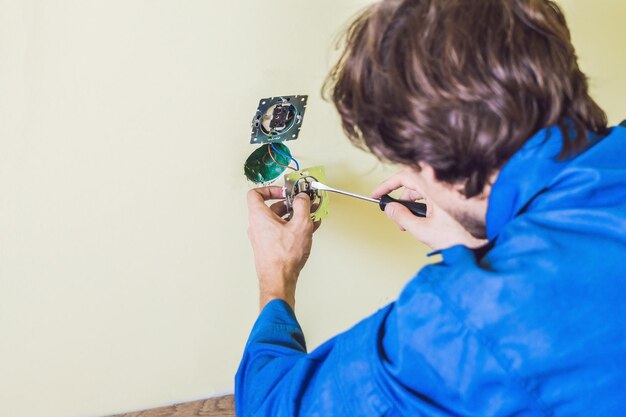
(213, 407)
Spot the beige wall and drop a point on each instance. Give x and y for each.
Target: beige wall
(126, 280)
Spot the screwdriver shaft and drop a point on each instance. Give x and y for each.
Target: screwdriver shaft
(418, 209)
(319, 186)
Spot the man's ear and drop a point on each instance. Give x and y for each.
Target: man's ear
(428, 174)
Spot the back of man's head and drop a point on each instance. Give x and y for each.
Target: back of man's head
(461, 84)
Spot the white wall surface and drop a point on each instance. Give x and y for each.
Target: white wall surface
(126, 279)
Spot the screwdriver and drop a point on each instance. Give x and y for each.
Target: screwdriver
(418, 209)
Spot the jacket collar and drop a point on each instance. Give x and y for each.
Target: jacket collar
(526, 174)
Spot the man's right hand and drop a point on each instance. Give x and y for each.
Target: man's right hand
(281, 247)
(438, 230)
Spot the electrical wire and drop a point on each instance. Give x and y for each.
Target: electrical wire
(271, 147)
(269, 152)
(286, 156)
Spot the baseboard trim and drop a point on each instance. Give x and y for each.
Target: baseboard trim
(212, 407)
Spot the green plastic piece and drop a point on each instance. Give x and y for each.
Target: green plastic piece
(319, 199)
(261, 169)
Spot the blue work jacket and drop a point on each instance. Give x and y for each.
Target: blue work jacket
(532, 325)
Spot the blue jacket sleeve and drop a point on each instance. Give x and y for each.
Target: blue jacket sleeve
(423, 355)
(277, 377)
(418, 356)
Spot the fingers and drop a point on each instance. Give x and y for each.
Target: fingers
(406, 178)
(257, 196)
(406, 220)
(258, 210)
(301, 208)
(279, 208)
(387, 186)
(411, 195)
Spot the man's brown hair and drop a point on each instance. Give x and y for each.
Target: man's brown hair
(461, 84)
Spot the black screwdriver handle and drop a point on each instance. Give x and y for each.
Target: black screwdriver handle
(419, 209)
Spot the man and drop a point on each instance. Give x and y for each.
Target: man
(484, 104)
